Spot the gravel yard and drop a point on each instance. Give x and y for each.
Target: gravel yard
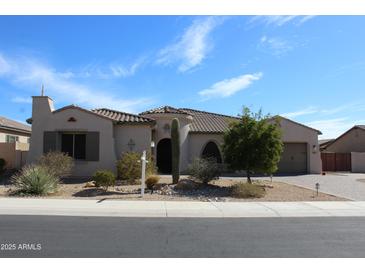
(216, 191)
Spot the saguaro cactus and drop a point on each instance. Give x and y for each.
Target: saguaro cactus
(175, 150)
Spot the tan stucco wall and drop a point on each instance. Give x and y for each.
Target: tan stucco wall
(198, 142)
(352, 141)
(14, 154)
(45, 120)
(161, 133)
(141, 136)
(358, 162)
(295, 133)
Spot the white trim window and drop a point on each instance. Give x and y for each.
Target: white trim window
(12, 138)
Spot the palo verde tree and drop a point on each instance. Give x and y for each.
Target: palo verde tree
(175, 150)
(253, 144)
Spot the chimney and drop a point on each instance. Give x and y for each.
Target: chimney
(42, 105)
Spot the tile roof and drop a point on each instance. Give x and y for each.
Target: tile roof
(122, 117)
(13, 125)
(208, 122)
(164, 109)
(360, 126)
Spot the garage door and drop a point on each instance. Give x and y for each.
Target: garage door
(294, 158)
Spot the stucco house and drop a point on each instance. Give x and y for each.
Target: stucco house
(14, 142)
(346, 152)
(97, 138)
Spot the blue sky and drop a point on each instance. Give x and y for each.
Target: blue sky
(308, 68)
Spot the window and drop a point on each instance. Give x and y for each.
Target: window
(12, 138)
(74, 145)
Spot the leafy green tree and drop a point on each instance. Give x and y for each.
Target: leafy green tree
(253, 144)
(175, 150)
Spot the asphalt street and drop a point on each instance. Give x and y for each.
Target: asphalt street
(60, 236)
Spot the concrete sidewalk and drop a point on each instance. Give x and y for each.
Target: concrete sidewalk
(112, 208)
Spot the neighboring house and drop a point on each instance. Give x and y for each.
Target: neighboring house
(323, 143)
(347, 152)
(14, 142)
(97, 138)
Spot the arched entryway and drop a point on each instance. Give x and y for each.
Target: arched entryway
(164, 156)
(211, 150)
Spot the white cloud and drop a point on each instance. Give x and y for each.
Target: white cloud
(274, 45)
(306, 111)
(114, 70)
(326, 121)
(332, 128)
(349, 108)
(228, 87)
(305, 19)
(280, 20)
(125, 71)
(31, 74)
(4, 66)
(192, 47)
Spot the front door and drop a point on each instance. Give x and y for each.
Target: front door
(164, 156)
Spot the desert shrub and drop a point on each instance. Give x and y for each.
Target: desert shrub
(35, 180)
(58, 163)
(151, 181)
(2, 165)
(129, 167)
(104, 179)
(204, 170)
(247, 190)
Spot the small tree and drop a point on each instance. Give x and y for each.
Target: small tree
(175, 150)
(253, 144)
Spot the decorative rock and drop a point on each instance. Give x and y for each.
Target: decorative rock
(89, 184)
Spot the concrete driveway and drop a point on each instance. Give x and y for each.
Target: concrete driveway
(346, 185)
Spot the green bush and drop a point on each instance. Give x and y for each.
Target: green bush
(2, 165)
(129, 167)
(151, 181)
(58, 163)
(104, 179)
(204, 170)
(35, 180)
(247, 190)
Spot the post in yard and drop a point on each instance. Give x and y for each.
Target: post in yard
(317, 188)
(143, 176)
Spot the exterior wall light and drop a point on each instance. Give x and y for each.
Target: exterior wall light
(314, 149)
(152, 144)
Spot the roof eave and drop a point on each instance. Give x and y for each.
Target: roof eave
(16, 129)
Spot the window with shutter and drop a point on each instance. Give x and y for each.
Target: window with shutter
(50, 141)
(92, 146)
